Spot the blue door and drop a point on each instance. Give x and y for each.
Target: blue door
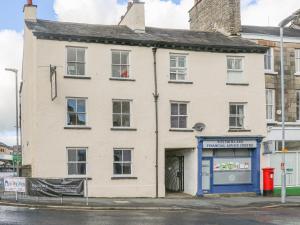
(206, 174)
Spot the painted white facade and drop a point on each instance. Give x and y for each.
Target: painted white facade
(45, 138)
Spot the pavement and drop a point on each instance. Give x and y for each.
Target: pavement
(171, 202)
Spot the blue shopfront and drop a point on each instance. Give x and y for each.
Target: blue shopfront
(228, 164)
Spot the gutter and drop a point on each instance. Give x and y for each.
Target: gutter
(156, 96)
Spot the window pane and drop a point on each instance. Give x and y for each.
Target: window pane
(182, 109)
(80, 55)
(240, 109)
(238, 64)
(182, 122)
(116, 107)
(181, 61)
(240, 122)
(233, 109)
(125, 107)
(172, 76)
(126, 168)
(124, 58)
(71, 54)
(116, 58)
(116, 71)
(72, 168)
(81, 167)
(174, 121)
(172, 61)
(117, 168)
(81, 119)
(72, 119)
(127, 155)
(126, 120)
(230, 63)
(71, 155)
(124, 71)
(81, 155)
(80, 105)
(174, 109)
(232, 122)
(117, 120)
(80, 69)
(71, 70)
(181, 76)
(71, 105)
(117, 155)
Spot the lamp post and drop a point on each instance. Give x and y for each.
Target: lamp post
(282, 24)
(15, 71)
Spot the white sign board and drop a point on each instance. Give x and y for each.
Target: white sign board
(230, 144)
(15, 184)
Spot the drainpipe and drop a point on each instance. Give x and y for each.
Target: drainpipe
(155, 95)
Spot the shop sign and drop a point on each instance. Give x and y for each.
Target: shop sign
(55, 187)
(230, 144)
(15, 184)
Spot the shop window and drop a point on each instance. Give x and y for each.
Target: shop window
(290, 145)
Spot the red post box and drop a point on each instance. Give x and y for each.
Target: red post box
(268, 179)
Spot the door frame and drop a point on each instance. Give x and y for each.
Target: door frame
(210, 159)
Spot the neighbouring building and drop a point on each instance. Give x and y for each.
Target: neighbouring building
(122, 104)
(5, 158)
(270, 38)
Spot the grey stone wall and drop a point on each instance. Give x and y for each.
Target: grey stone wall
(216, 15)
(292, 81)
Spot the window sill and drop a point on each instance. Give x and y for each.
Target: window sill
(297, 74)
(123, 129)
(80, 77)
(77, 128)
(237, 84)
(124, 178)
(179, 82)
(271, 73)
(239, 130)
(180, 130)
(121, 79)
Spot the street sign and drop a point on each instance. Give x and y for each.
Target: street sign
(17, 158)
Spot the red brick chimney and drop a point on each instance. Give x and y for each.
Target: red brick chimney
(29, 2)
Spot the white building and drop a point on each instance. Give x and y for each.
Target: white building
(126, 97)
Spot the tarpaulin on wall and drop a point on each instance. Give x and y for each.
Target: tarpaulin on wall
(55, 187)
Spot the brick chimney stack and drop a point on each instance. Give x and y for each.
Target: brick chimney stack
(30, 11)
(216, 15)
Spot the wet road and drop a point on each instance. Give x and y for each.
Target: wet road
(25, 216)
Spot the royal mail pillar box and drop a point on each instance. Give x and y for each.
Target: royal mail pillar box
(268, 179)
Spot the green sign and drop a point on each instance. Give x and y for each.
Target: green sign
(17, 158)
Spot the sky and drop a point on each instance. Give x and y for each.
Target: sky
(159, 13)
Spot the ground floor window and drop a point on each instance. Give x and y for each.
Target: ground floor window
(76, 161)
(122, 161)
(232, 166)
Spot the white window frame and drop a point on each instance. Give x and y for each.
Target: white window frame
(237, 116)
(122, 162)
(120, 65)
(298, 105)
(86, 111)
(179, 115)
(271, 56)
(272, 104)
(130, 113)
(86, 161)
(85, 61)
(177, 68)
(297, 61)
(237, 71)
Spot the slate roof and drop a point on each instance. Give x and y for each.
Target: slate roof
(274, 31)
(153, 37)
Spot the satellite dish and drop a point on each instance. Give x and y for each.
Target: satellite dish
(199, 126)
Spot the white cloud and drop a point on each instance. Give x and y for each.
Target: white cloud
(168, 14)
(11, 45)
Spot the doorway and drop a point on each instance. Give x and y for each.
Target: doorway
(174, 173)
(206, 175)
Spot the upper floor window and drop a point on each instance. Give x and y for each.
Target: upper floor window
(270, 104)
(76, 111)
(75, 61)
(178, 115)
(297, 61)
(120, 64)
(298, 104)
(178, 67)
(121, 113)
(236, 116)
(268, 59)
(122, 162)
(235, 69)
(76, 161)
